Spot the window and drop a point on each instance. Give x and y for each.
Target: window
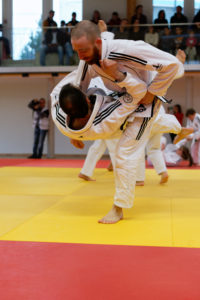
(65, 8)
(1, 12)
(26, 18)
(169, 7)
(196, 6)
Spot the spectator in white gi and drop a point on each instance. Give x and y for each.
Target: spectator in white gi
(193, 120)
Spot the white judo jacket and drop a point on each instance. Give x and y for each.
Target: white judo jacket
(141, 62)
(195, 124)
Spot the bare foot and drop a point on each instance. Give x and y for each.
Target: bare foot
(181, 56)
(110, 167)
(184, 132)
(113, 216)
(85, 177)
(164, 177)
(139, 183)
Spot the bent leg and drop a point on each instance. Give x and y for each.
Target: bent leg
(156, 156)
(128, 156)
(95, 152)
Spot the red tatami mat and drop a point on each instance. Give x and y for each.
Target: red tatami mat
(66, 163)
(53, 163)
(51, 271)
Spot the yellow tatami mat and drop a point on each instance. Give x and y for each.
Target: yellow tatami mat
(53, 205)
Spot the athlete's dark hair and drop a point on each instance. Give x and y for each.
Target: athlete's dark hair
(186, 155)
(190, 111)
(178, 107)
(73, 101)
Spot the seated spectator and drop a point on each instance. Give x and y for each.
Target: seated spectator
(40, 125)
(193, 120)
(53, 43)
(178, 17)
(191, 43)
(6, 45)
(151, 37)
(136, 33)
(66, 42)
(123, 31)
(179, 40)
(73, 21)
(68, 46)
(166, 41)
(196, 19)
(142, 19)
(49, 22)
(177, 111)
(197, 35)
(96, 17)
(114, 21)
(161, 20)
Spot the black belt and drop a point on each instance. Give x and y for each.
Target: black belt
(163, 99)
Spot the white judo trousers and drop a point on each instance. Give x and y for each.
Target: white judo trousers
(130, 153)
(96, 151)
(164, 123)
(195, 145)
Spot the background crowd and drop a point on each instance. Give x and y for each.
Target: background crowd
(167, 37)
(178, 34)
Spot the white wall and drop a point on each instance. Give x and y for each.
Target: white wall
(16, 133)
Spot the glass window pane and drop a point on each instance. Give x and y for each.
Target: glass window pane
(169, 7)
(26, 19)
(0, 11)
(65, 8)
(196, 6)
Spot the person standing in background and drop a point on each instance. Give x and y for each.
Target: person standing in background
(40, 125)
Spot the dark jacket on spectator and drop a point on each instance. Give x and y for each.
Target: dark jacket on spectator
(142, 19)
(61, 37)
(178, 18)
(49, 23)
(160, 21)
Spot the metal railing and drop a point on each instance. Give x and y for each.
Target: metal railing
(26, 46)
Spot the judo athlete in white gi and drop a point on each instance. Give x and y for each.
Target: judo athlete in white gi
(132, 72)
(193, 120)
(175, 154)
(153, 149)
(98, 148)
(103, 119)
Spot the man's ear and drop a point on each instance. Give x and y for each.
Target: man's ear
(98, 42)
(87, 100)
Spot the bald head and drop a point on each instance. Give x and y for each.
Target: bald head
(86, 28)
(86, 41)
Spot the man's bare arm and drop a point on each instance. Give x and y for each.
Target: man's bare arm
(76, 143)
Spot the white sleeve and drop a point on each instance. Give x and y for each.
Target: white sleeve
(134, 86)
(140, 55)
(106, 35)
